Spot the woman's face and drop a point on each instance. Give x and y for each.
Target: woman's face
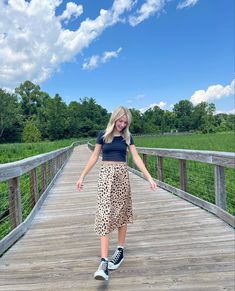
(121, 123)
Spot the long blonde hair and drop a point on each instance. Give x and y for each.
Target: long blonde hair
(118, 113)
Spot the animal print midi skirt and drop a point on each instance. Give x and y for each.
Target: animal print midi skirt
(114, 204)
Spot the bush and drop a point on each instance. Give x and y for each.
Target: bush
(31, 133)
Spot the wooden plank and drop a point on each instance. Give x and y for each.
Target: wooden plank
(183, 175)
(160, 171)
(44, 177)
(224, 159)
(228, 218)
(22, 228)
(172, 245)
(15, 208)
(220, 190)
(145, 160)
(33, 186)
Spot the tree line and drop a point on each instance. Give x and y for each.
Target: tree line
(31, 115)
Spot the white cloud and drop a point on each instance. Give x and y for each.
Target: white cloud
(110, 54)
(231, 111)
(119, 7)
(213, 92)
(226, 112)
(96, 60)
(72, 9)
(187, 3)
(161, 105)
(92, 63)
(34, 42)
(149, 8)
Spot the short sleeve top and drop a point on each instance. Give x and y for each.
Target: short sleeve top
(114, 151)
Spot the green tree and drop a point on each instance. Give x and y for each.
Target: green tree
(74, 119)
(148, 122)
(137, 121)
(169, 120)
(183, 111)
(31, 98)
(31, 133)
(10, 125)
(230, 122)
(56, 116)
(91, 116)
(203, 117)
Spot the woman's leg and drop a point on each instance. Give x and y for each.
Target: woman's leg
(104, 246)
(122, 235)
(102, 272)
(118, 256)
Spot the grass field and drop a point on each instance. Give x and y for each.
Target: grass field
(224, 141)
(200, 175)
(18, 151)
(15, 152)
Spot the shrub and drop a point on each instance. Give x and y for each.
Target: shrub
(31, 133)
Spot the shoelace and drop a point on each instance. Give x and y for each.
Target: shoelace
(116, 256)
(103, 265)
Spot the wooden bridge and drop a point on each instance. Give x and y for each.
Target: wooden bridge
(172, 245)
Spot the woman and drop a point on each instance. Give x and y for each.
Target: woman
(114, 205)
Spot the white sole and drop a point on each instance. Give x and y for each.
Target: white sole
(99, 275)
(113, 267)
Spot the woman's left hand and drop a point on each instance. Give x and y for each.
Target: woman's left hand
(153, 185)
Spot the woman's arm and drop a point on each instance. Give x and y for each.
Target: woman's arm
(139, 163)
(90, 164)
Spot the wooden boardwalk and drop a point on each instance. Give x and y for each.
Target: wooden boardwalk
(172, 245)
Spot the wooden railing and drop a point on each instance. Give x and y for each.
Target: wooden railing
(220, 160)
(38, 173)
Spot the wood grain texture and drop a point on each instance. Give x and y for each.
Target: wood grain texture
(172, 245)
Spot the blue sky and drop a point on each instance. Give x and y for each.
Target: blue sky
(122, 52)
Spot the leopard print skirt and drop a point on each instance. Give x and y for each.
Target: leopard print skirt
(114, 204)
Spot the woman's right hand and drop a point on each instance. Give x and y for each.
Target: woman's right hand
(79, 184)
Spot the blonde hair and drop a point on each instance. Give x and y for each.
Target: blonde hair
(117, 114)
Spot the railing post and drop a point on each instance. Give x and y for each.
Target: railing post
(129, 160)
(44, 177)
(183, 175)
(33, 186)
(50, 169)
(220, 191)
(145, 161)
(160, 173)
(15, 208)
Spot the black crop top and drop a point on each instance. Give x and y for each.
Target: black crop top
(114, 151)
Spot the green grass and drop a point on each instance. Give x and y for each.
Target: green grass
(224, 141)
(19, 151)
(14, 152)
(200, 175)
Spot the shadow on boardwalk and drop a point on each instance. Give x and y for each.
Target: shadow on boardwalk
(172, 245)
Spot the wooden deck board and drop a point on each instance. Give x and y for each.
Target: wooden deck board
(172, 245)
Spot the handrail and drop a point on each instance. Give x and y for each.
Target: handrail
(210, 157)
(226, 159)
(38, 173)
(220, 160)
(18, 168)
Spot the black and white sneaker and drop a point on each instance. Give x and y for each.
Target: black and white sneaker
(102, 272)
(117, 259)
